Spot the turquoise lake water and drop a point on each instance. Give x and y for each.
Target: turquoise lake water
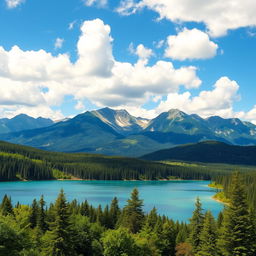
(174, 199)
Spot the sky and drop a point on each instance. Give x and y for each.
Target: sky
(61, 58)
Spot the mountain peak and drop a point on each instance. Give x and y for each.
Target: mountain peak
(21, 116)
(113, 111)
(175, 113)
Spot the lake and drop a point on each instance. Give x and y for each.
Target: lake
(174, 199)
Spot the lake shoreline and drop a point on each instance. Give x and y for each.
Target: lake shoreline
(79, 179)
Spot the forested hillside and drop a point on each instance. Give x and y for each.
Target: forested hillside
(249, 181)
(207, 152)
(20, 162)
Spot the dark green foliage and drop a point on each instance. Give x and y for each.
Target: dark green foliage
(220, 219)
(114, 213)
(208, 237)
(26, 163)
(207, 152)
(10, 241)
(196, 226)
(6, 206)
(168, 239)
(248, 181)
(58, 240)
(182, 234)
(41, 221)
(237, 228)
(83, 237)
(34, 214)
(133, 216)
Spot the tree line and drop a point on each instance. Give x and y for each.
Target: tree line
(71, 228)
(21, 162)
(249, 181)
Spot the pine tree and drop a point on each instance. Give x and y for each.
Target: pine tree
(168, 237)
(208, 237)
(85, 209)
(106, 217)
(41, 222)
(236, 233)
(34, 214)
(133, 216)
(59, 239)
(151, 220)
(196, 225)
(114, 213)
(182, 235)
(99, 215)
(6, 206)
(220, 220)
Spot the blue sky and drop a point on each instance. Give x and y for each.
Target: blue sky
(61, 58)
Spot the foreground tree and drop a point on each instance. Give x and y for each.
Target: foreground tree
(6, 206)
(34, 214)
(58, 240)
(42, 225)
(208, 237)
(119, 242)
(196, 226)
(133, 216)
(236, 237)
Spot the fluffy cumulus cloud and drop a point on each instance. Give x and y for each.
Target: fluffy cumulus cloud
(250, 115)
(190, 44)
(13, 3)
(32, 79)
(219, 16)
(36, 82)
(218, 101)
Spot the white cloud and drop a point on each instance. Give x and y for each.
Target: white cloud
(33, 82)
(190, 44)
(142, 52)
(58, 43)
(96, 75)
(218, 101)
(36, 111)
(250, 115)
(219, 16)
(13, 3)
(100, 3)
(95, 49)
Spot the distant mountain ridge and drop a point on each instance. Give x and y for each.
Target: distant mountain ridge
(23, 122)
(207, 152)
(121, 120)
(116, 132)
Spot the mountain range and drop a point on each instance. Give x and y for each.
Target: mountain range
(23, 122)
(116, 132)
